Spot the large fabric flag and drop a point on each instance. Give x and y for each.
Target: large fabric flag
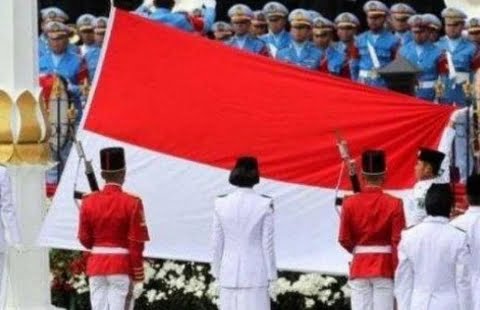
(185, 107)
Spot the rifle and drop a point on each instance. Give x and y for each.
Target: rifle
(351, 166)
(89, 172)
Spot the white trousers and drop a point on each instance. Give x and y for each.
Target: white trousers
(255, 298)
(110, 292)
(372, 294)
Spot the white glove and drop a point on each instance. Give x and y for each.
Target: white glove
(210, 3)
(457, 116)
(137, 290)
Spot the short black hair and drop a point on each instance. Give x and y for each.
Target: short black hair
(439, 200)
(245, 173)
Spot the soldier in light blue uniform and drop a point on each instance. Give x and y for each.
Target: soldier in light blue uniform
(85, 25)
(301, 51)
(400, 13)
(259, 24)
(473, 28)
(60, 60)
(461, 55)
(222, 31)
(63, 62)
(377, 46)
(179, 16)
(50, 14)
(100, 27)
(347, 25)
(434, 27)
(241, 19)
(277, 36)
(332, 60)
(92, 58)
(425, 55)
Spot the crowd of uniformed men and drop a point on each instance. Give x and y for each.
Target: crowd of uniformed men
(301, 37)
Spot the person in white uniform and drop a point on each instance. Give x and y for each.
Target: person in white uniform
(433, 256)
(433, 166)
(243, 242)
(427, 172)
(468, 222)
(474, 265)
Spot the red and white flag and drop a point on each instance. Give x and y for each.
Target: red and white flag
(185, 107)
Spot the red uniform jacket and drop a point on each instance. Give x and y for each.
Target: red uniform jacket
(372, 218)
(113, 218)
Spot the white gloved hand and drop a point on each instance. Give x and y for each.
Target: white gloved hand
(457, 116)
(137, 290)
(210, 3)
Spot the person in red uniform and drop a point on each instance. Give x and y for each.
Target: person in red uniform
(370, 227)
(113, 228)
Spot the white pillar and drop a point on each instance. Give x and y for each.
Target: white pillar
(28, 273)
(18, 55)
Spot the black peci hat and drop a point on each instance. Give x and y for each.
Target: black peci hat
(433, 157)
(373, 162)
(245, 173)
(112, 159)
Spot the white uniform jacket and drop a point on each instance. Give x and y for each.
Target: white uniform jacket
(243, 240)
(465, 221)
(474, 266)
(8, 223)
(431, 274)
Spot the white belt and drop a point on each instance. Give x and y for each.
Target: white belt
(426, 84)
(368, 74)
(372, 249)
(108, 250)
(462, 77)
